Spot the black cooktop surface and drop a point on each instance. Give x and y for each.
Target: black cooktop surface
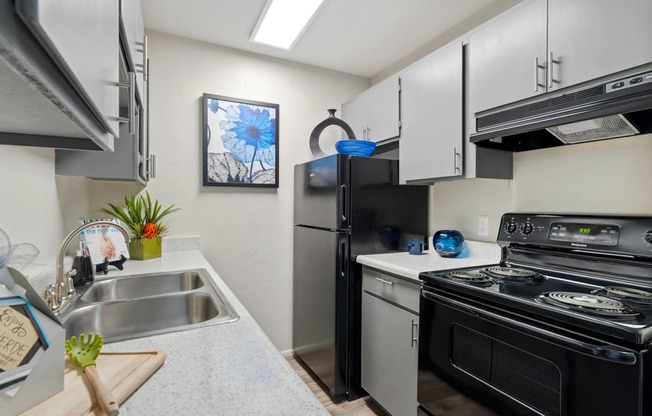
(599, 305)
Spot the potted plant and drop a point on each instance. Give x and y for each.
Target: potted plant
(144, 218)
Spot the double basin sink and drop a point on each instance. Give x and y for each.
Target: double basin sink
(147, 304)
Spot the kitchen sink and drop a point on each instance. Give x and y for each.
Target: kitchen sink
(139, 286)
(150, 304)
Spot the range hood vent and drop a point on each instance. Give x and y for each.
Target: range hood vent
(618, 108)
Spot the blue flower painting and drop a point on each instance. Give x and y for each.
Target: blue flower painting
(240, 142)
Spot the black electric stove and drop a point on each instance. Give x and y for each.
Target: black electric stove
(571, 296)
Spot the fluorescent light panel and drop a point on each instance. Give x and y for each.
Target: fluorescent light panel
(283, 21)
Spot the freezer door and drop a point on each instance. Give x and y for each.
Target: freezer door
(320, 304)
(321, 193)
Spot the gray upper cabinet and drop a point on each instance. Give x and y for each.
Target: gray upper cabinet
(547, 45)
(131, 19)
(374, 114)
(588, 39)
(131, 159)
(82, 37)
(432, 133)
(507, 58)
(59, 73)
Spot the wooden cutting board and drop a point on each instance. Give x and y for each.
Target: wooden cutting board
(122, 372)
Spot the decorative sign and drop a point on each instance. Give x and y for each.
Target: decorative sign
(17, 338)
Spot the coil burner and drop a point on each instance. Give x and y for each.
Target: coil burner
(514, 275)
(626, 294)
(588, 303)
(474, 277)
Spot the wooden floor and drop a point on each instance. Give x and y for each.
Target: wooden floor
(364, 406)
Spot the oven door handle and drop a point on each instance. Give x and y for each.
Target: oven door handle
(603, 352)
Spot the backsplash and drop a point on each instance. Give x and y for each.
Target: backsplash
(606, 177)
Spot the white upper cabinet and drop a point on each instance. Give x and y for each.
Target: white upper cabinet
(588, 39)
(546, 45)
(432, 117)
(507, 58)
(131, 18)
(82, 37)
(374, 114)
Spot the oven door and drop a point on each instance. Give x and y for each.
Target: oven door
(475, 361)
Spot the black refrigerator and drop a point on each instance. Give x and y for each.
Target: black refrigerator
(344, 206)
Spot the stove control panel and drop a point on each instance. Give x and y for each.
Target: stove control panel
(631, 236)
(600, 234)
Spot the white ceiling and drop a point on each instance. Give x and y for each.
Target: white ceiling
(360, 37)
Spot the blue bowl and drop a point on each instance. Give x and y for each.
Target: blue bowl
(355, 147)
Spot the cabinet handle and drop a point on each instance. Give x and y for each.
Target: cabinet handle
(551, 62)
(385, 282)
(151, 167)
(415, 339)
(131, 88)
(144, 65)
(537, 84)
(455, 156)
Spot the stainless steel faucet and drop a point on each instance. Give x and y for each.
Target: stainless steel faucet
(63, 291)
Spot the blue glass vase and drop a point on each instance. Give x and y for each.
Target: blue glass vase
(448, 243)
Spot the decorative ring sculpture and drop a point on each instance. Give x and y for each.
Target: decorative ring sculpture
(316, 132)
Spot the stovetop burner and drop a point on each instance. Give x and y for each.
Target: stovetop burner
(628, 294)
(475, 277)
(589, 303)
(514, 275)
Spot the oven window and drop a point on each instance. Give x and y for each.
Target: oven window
(521, 375)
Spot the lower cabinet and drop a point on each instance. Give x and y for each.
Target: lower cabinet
(389, 341)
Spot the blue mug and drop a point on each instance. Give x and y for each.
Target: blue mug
(415, 247)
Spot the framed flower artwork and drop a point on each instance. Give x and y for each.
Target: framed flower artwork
(240, 142)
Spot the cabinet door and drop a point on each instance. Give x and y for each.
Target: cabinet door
(593, 38)
(389, 355)
(134, 30)
(503, 58)
(353, 112)
(374, 114)
(382, 108)
(82, 36)
(432, 130)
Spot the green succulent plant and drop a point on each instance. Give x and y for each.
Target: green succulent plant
(142, 215)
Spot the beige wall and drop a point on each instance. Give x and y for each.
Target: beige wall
(35, 206)
(246, 233)
(605, 177)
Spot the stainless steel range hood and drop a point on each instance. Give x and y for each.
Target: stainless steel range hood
(618, 108)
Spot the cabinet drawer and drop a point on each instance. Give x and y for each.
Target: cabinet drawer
(392, 288)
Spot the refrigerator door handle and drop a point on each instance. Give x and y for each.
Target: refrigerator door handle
(343, 202)
(344, 258)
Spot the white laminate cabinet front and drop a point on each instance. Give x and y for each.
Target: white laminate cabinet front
(548, 45)
(82, 36)
(588, 39)
(432, 136)
(374, 114)
(507, 58)
(389, 341)
(389, 355)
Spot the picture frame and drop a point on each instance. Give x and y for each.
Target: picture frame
(240, 142)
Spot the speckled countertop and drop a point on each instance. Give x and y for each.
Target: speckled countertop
(225, 369)
(409, 266)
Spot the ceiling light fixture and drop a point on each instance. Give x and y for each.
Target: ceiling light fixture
(283, 21)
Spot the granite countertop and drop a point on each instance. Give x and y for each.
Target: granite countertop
(409, 266)
(225, 369)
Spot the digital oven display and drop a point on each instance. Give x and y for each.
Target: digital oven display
(595, 234)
